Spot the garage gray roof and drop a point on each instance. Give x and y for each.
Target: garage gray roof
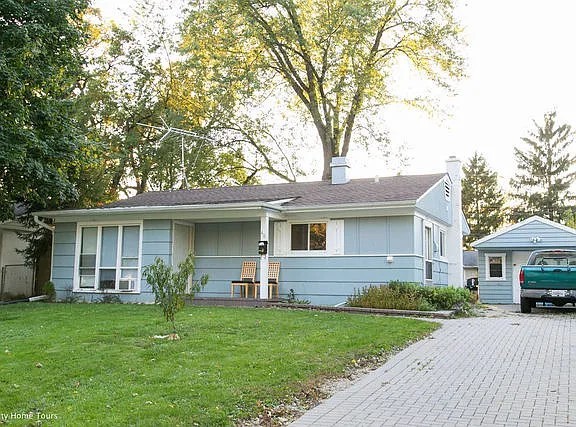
(320, 193)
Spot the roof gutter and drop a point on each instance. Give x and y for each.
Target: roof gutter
(43, 224)
(158, 209)
(242, 206)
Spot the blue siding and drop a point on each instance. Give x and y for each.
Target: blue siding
(440, 273)
(227, 239)
(221, 247)
(63, 257)
(517, 238)
(156, 242)
(379, 235)
(434, 203)
(322, 280)
(495, 291)
(520, 238)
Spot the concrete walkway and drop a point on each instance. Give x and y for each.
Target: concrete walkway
(508, 369)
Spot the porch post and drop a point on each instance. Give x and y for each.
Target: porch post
(264, 226)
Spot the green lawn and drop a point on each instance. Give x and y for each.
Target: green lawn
(98, 364)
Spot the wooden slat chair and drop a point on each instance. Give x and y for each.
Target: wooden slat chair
(247, 278)
(273, 276)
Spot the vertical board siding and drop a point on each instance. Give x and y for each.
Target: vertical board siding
(379, 235)
(401, 235)
(227, 239)
(322, 280)
(495, 291)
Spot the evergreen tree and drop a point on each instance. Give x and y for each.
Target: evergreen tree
(545, 172)
(482, 199)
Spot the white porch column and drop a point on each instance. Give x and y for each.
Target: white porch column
(264, 227)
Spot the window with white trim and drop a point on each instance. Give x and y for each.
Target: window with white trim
(442, 243)
(108, 258)
(428, 251)
(495, 266)
(308, 237)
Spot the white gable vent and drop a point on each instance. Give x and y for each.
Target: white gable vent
(447, 188)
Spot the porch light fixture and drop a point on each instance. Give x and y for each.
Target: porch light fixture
(535, 239)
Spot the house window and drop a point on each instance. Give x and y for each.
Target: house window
(495, 267)
(442, 243)
(308, 237)
(428, 251)
(109, 258)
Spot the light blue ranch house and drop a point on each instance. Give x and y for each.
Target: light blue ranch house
(329, 237)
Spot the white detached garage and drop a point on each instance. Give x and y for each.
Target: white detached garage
(501, 254)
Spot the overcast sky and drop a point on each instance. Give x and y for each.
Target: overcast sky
(520, 58)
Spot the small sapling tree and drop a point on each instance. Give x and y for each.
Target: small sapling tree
(169, 285)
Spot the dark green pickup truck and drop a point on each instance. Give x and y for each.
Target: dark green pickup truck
(549, 276)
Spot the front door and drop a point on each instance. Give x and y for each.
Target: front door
(518, 260)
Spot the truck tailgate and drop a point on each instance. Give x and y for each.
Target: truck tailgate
(549, 277)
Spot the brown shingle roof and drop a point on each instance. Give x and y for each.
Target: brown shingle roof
(304, 194)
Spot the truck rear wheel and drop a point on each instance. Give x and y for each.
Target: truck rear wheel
(525, 305)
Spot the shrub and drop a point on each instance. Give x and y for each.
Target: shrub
(411, 296)
(169, 286)
(386, 297)
(49, 290)
(292, 299)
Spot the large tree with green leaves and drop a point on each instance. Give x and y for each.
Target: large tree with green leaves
(134, 89)
(545, 171)
(334, 60)
(482, 198)
(40, 62)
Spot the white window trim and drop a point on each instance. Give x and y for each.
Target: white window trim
(307, 251)
(441, 255)
(430, 226)
(76, 281)
(487, 267)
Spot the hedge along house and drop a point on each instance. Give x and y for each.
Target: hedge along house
(330, 237)
(501, 254)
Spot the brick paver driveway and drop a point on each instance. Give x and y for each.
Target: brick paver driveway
(508, 370)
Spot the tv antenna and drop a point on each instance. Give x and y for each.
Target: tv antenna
(168, 131)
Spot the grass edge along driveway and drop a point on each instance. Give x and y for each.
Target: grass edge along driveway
(99, 364)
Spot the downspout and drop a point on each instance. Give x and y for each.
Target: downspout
(43, 224)
(51, 228)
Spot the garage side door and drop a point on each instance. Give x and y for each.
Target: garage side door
(518, 260)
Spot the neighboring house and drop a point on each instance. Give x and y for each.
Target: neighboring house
(330, 237)
(470, 260)
(16, 278)
(501, 254)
